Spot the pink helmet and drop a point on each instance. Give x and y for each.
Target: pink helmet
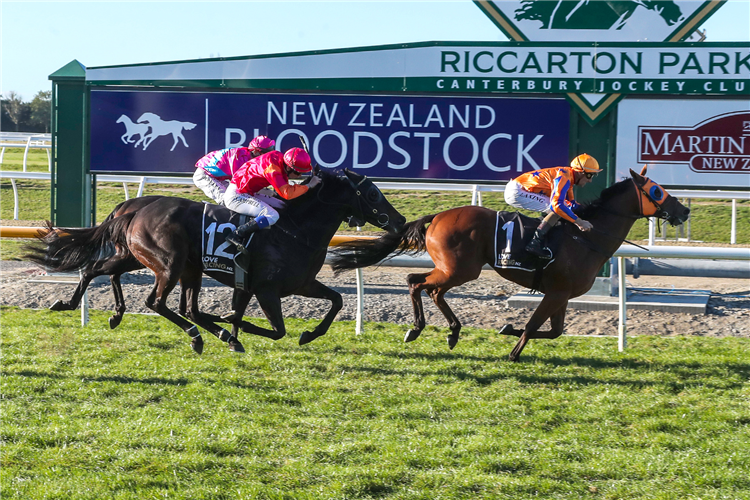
(261, 144)
(298, 160)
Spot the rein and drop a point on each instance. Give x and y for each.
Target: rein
(657, 214)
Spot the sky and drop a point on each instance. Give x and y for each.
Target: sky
(38, 38)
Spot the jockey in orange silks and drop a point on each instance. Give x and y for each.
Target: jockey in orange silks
(551, 190)
(214, 171)
(270, 169)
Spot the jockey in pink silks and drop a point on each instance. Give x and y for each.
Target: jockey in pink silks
(214, 172)
(270, 169)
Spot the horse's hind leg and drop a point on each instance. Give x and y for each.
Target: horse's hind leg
(436, 283)
(115, 319)
(553, 307)
(72, 304)
(438, 297)
(416, 282)
(191, 286)
(157, 302)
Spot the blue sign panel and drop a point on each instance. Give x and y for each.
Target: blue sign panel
(404, 137)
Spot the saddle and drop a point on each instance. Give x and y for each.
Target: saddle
(218, 254)
(513, 231)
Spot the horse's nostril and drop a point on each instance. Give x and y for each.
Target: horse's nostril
(687, 211)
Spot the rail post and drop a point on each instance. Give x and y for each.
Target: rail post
(622, 340)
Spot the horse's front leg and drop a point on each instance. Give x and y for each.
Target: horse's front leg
(318, 290)
(191, 286)
(270, 303)
(552, 306)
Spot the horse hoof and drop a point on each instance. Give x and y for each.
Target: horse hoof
(412, 335)
(59, 305)
(452, 341)
(307, 337)
(506, 330)
(513, 358)
(235, 345)
(197, 345)
(114, 321)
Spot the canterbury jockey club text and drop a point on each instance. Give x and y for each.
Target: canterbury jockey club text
(409, 130)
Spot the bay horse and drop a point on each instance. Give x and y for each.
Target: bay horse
(165, 235)
(462, 240)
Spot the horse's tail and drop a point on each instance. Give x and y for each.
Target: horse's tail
(71, 249)
(188, 125)
(363, 253)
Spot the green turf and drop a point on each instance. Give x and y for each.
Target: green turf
(90, 413)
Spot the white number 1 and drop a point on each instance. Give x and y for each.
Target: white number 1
(508, 227)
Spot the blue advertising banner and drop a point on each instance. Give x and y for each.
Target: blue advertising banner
(384, 136)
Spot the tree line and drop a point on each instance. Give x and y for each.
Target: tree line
(19, 116)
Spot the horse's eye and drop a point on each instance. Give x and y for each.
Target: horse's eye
(373, 195)
(656, 193)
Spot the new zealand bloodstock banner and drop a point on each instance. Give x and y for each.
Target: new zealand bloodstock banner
(696, 143)
(402, 137)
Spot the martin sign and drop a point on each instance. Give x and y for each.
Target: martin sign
(718, 144)
(688, 143)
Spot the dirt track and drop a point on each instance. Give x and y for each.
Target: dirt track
(482, 303)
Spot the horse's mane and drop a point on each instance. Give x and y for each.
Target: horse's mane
(302, 202)
(588, 210)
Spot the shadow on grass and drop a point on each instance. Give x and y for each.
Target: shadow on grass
(689, 373)
(121, 379)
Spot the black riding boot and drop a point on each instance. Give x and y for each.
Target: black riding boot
(239, 236)
(535, 246)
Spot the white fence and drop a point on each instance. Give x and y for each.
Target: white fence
(475, 189)
(26, 141)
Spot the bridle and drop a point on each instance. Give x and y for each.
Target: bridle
(651, 196)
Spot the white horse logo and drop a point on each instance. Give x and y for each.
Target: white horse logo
(160, 127)
(132, 129)
(150, 126)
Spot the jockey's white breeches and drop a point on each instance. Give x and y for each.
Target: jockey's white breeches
(255, 205)
(516, 196)
(213, 187)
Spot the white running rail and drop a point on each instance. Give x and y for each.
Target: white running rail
(26, 141)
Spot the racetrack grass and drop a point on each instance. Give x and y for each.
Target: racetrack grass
(90, 413)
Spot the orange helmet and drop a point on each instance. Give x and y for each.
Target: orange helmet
(585, 163)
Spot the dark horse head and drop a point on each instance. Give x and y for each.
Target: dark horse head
(352, 197)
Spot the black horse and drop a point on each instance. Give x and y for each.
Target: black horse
(462, 240)
(165, 235)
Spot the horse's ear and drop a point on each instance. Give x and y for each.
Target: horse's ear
(637, 177)
(643, 170)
